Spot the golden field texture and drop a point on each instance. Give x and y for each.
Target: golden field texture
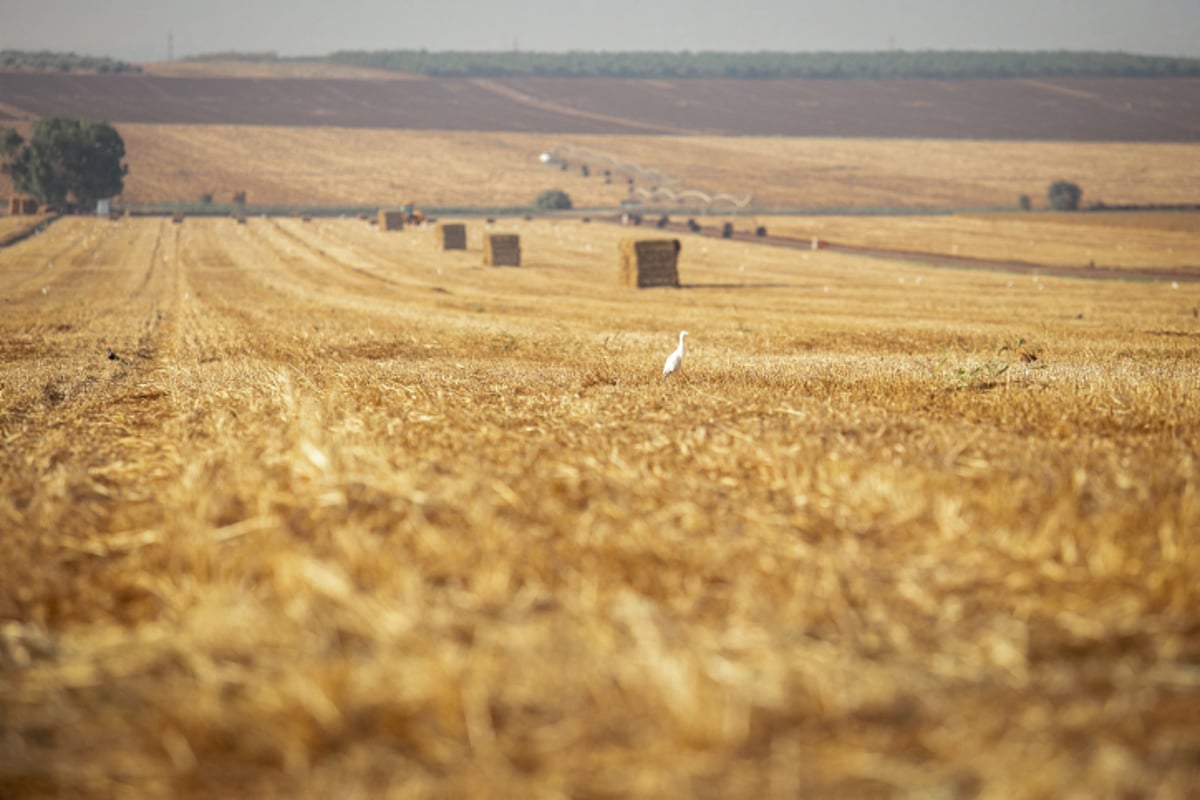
(170, 163)
(351, 516)
(1140, 239)
(12, 227)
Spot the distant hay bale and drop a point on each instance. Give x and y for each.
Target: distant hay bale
(454, 235)
(727, 230)
(761, 230)
(649, 262)
(391, 220)
(19, 205)
(502, 250)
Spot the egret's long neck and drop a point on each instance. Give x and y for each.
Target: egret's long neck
(681, 340)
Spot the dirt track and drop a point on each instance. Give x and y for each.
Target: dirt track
(1058, 110)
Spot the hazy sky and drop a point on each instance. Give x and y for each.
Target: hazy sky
(137, 29)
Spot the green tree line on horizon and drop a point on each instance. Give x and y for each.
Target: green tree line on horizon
(50, 61)
(890, 64)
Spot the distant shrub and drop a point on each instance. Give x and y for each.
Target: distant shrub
(1064, 196)
(206, 199)
(553, 200)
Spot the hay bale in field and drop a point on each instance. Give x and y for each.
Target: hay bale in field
(761, 230)
(727, 230)
(19, 205)
(391, 220)
(649, 262)
(453, 235)
(502, 250)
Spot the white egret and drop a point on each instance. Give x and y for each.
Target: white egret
(676, 358)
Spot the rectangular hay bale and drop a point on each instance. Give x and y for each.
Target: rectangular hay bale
(19, 205)
(502, 250)
(649, 262)
(391, 220)
(454, 235)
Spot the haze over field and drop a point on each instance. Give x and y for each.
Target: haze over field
(139, 29)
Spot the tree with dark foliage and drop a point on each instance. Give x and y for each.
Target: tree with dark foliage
(553, 199)
(67, 162)
(1064, 196)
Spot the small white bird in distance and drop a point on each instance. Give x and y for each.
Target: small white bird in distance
(676, 358)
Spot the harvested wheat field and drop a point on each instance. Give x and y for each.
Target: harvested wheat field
(345, 515)
(1114, 239)
(16, 227)
(169, 163)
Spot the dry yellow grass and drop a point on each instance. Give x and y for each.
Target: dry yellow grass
(354, 517)
(15, 226)
(339, 166)
(342, 166)
(815, 173)
(1111, 239)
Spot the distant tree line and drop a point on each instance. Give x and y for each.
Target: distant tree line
(890, 64)
(47, 61)
(263, 56)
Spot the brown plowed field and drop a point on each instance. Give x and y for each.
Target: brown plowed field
(1077, 110)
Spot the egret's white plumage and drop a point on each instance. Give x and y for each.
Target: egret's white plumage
(676, 358)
